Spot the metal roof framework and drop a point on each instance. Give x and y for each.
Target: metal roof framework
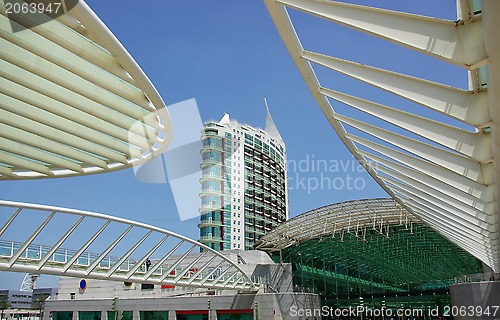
(124, 247)
(72, 99)
(354, 217)
(373, 244)
(447, 175)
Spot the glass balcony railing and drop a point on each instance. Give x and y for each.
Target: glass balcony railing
(209, 223)
(210, 239)
(210, 192)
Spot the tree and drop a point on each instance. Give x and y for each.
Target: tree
(38, 301)
(4, 303)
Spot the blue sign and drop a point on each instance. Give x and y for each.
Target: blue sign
(83, 284)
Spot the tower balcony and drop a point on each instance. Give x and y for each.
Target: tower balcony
(210, 192)
(209, 223)
(211, 147)
(207, 176)
(210, 162)
(210, 239)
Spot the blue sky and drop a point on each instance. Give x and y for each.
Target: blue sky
(228, 56)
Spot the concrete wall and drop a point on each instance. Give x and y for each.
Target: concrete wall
(474, 299)
(257, 265)
(273, 301)
(265, 306)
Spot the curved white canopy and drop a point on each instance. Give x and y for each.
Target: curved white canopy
(439, 171)
(72, 99)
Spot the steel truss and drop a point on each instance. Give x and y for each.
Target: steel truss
(129, 251)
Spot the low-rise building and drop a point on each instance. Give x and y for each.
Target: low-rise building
(89, 299)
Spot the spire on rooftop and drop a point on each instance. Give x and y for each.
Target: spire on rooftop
(225, 119)
(271, 128)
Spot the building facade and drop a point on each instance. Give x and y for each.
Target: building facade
(244, 183)
(15, 299)
(25, 300)
(110, 300)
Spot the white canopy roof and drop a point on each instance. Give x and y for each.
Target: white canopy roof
(440, 172)
(72, 99)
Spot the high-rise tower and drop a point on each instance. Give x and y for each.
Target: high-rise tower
(244, 183)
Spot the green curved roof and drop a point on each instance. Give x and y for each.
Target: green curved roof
(371, 245)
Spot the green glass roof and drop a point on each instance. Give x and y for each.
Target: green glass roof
(367, 247)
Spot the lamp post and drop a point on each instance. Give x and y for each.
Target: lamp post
(256, 311)
(209, 307)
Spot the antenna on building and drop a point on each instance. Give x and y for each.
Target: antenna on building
(265, 102)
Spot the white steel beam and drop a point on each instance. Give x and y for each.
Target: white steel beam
(59, 242)
(474, 145)
(473, 219)
(452, 235)
(439, 218)
(458, 185)
(95, 117)
(453, 42)
(38, 129)
(452, 169)
(142, 261)
(14, 147)
(108, 250)
(72, 41)
(444, 158)
(30, 139)
(74, 84)
(73, 62)
(85, 246)
(491, 25)
(29, 241)
(484, 243)
(287, 32)
(468, 107)
(166, 257)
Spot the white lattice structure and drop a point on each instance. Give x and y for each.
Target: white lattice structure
(72, 99)
(447, 176)
(124, 248)
(29, 282)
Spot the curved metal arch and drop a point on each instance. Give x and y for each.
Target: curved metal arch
(333, 220)
(72, 100)
(446, 166)
(168, 261)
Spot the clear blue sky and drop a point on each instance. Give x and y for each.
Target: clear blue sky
(228, 56)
